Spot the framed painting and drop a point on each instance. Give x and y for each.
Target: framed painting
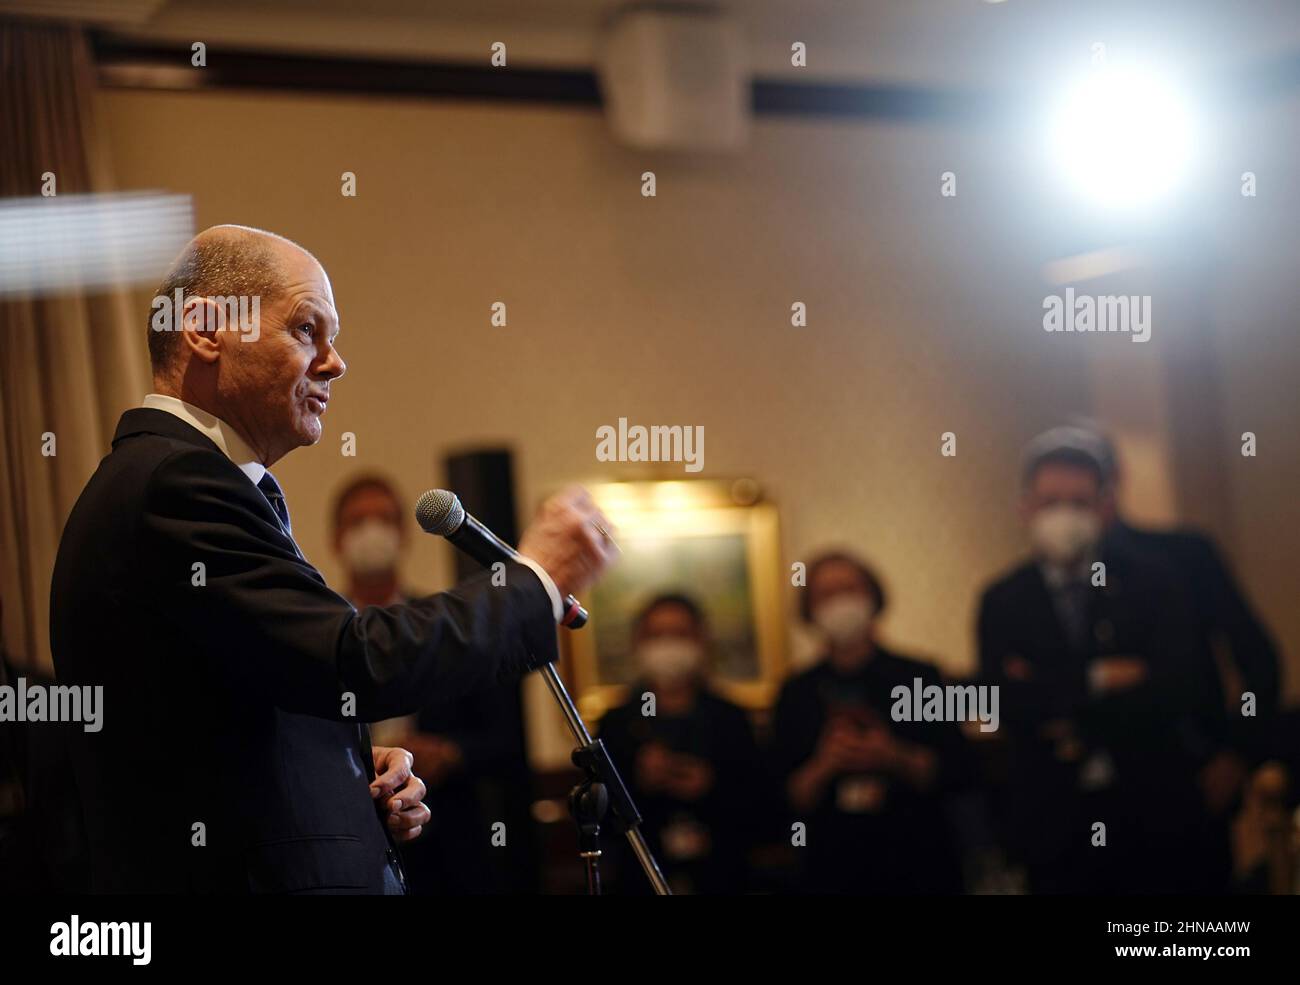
(713, 541)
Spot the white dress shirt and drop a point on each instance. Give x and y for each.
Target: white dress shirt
(222, 434)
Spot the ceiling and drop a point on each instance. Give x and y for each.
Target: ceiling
(966, 43)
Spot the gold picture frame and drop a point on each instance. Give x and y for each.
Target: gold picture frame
(712, 540)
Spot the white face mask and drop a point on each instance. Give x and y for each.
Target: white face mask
(371, 547)
(669, 659)
(1063, 534)
(845, 618)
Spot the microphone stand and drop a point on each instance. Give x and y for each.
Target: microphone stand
(441, 512)
(601, 788)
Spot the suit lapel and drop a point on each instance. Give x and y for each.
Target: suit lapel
(149, 420)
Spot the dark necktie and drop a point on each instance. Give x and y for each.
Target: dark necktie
(1073, 608)
(394, 877)
(275, 495)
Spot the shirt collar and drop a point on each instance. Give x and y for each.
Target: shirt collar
(222, 434)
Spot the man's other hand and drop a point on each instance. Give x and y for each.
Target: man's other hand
(1108, 674)
(400, 793)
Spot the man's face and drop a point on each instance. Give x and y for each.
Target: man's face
(367, 504)
(842, 606)
(1066, 508)
(833, 579)
(1059, 484)
(275, 388)
(669, 622)
(670, 645)
(370, 535)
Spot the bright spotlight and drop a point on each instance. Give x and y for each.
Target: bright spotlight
(1123, 137)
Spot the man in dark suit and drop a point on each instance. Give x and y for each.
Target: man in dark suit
(1245, 654)
(1101, 671)
(234, 754)
(1233, 732)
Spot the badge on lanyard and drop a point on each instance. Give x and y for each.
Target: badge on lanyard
(860, 794)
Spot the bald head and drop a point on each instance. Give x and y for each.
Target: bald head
(222, 261)
(252, 340)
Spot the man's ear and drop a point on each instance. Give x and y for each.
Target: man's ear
(201, 320)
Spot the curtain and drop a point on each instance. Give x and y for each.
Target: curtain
(70, 362)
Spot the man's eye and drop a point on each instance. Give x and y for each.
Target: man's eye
(306, 328)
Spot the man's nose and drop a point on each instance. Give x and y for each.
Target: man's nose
(333, 367)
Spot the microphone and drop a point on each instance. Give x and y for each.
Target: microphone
(440, 512)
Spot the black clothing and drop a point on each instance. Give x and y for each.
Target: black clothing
(1125, 758)
(871, 832)
(702, 846)
(1227, 625)
(235, 681)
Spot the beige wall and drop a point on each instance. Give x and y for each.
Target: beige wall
(1257, 341)
(924, 315)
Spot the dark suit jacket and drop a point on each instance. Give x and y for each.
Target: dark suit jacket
(1149, 732)
(1227, 625)
(233, 756)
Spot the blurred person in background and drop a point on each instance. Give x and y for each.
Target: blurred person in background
(871, 790)
(688, 758)
(369, 538)
(470, 753)
(1243, 655)
(1103, 676)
